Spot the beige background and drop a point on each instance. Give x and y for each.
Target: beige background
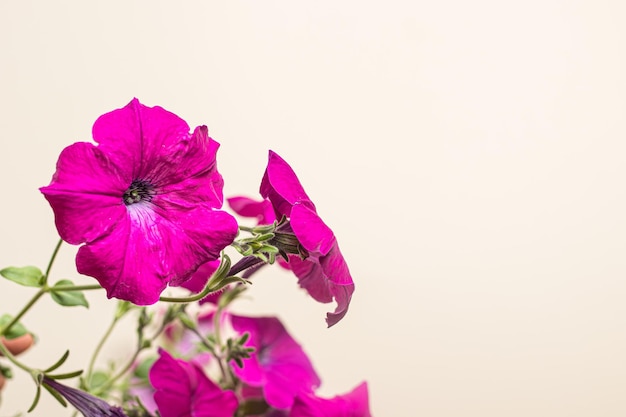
(468, 155)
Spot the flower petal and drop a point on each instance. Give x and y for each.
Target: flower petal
(144, 139)
(282, 187)
(326, 279)
(85, 193)
(353, 404)
(199, 279)
(311, 230)
(196, 179)
(279, 364)
(147, 251)
(247, 207)
(182, 389)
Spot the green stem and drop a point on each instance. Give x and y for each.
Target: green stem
(38, 295)
(131, 362)
(96, 352)
(13, 359)
(25, 309)
(228, 380)
(207, 290)
(58, 288)
(52, 258)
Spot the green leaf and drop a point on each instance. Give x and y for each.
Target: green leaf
(143, 369)
(29, 276)
(98, 379)
(16, 330)
(68, 298)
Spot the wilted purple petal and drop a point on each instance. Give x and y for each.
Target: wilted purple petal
(87, 404)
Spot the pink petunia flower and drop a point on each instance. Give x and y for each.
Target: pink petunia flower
(143, 201)
(182, 389)
(352, 404)
(279, 365)
(323, 273)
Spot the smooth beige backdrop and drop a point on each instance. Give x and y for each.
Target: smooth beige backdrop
(469, 156)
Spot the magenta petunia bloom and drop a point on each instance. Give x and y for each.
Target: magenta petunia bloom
(143, 201)
(352, 404)
(324, 272)
(182, 389)
(279, 365)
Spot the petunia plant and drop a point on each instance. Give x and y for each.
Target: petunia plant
(145, 203)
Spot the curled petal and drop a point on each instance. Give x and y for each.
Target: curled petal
(315, 278)
(282, 187)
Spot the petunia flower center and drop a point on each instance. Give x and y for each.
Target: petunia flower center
(139, 190)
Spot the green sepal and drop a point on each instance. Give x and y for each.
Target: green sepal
(59, 362)
(55, 394)
(29, 276)
(68, 298)
(16, 330)
(244, 338)
(36, 399)
(67, 375)
(229, 280)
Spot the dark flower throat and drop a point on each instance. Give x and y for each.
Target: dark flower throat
(139, 190)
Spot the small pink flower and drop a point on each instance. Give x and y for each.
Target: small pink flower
(352, 404)
(324, 272)
(182, 389)
(142, 201)
(278, 365)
